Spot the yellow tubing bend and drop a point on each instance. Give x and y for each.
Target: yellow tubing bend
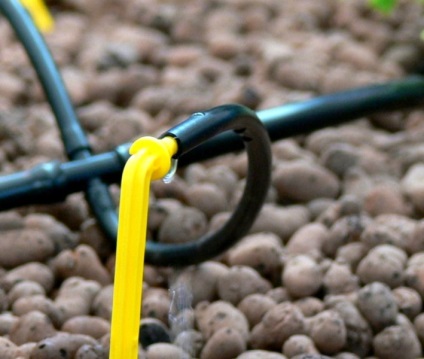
(150, 160)
(40, 14)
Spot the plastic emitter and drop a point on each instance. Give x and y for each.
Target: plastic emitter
(40, 14)
(150, 160)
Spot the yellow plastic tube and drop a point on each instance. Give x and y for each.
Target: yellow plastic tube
(150, 160)
(40, 14)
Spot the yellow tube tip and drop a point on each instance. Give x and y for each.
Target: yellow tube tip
(40, 14)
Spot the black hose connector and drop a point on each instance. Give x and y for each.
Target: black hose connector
(190, 134)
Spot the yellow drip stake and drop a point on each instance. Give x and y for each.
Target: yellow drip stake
(150, 160)
(40, 14)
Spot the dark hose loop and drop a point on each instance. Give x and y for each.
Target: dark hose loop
(191, 133)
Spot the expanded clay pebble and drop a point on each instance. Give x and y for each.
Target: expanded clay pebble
(185, 225)
(88, 351)
(260, 354)
(278, 324)
(61, 345)
(208, 198)
(7, 321)
(19, 247)
(339, 279)
(39, 303)
(226, 343)
(259, 251)
(310, 306)
(102, 303)
(212, 317)
(239, 282)
(302, 276)
(397, 342)
(156, 304)
(308, 240)
(75, 297)
(358, 331)
(299, 344)
(328, 331)
(88, 325)
(271, 216)
(24, 289)
(82, 262)
(408, 301)
(302, 181)
(61, 236)
(378, 305)
(202, 280)
(32, 327)
(384, 263)
(190, 341)
(413, 273)
(36, 272)
(254, 307)
(8, 349)
(165, 351)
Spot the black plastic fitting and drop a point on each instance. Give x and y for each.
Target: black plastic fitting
(191, 133)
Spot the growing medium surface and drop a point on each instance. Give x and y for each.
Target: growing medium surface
(333, 267)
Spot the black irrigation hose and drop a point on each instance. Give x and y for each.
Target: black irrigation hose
(52, 182)
(320, 112)
(73, 136)
(189, 135)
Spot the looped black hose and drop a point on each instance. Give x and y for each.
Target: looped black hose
(191, 133)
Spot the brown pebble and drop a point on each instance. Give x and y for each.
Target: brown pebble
(384, 199)
(270, 217)
(261, 354)
(32, 327)
(8, 349)
(226, 343)
(302, 276)
(102, 303)
(60, 345)
(408, 301)
(310, 306)
(239, 282)
(278, 324)
(75, 297)
(82, 262)
(38, 302)
(207, 197)
(88, 325)
(328, 331)
(384, 263)
(156, 304)
(308, 240)
(19, 247)
(339, 279)
(165, 351)
(396, 342)
(254, 307)
(202, 280)
(35, 271)
(259, 251)
(299, 344)
(302, 181)
(378, 305)
(185, 225)
(212, 317)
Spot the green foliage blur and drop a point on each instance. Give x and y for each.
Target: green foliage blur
(384, 6)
